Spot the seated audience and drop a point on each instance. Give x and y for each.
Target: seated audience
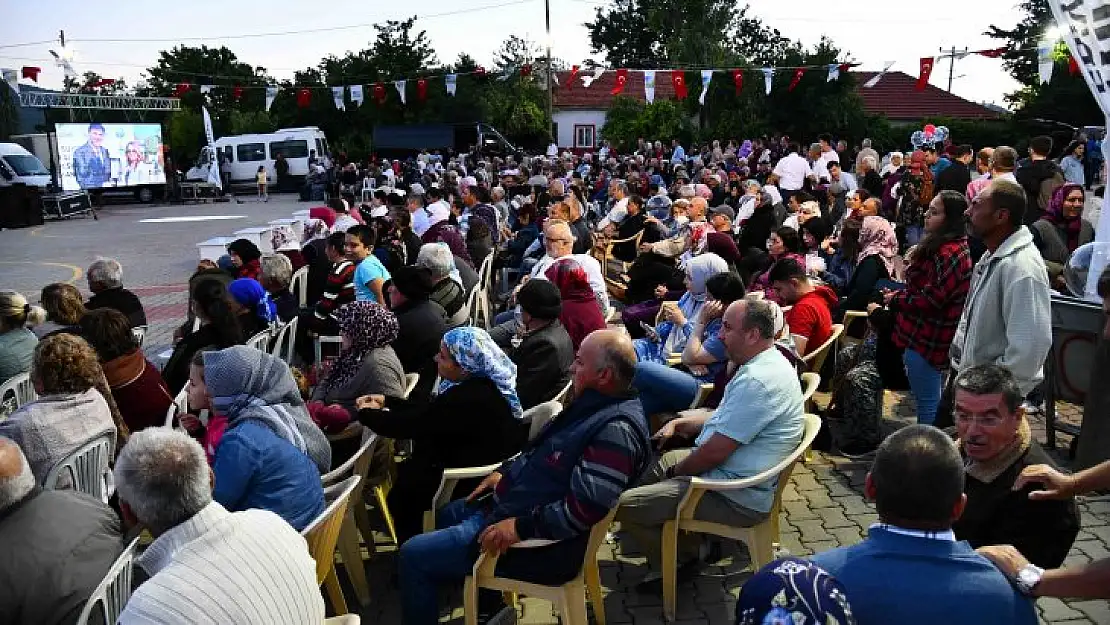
(287, 243)
(563, 484)
(219, 328)
(366, 365)
(877, 247)
(370, 273)
(277, 274)
(839, 253)
(252, 305)
(670, 335)
(105, 278)
(422, 324)
(559, 243)
(74, 405)
(245, 258)
(810, 315)
(996, 444)
(634, 223)
(207, 565)
(447, 292)
(783, 243)
(1062, 229)
(792, 591)
(758, 423)
(57, 546)
(473, 419)
(268, 452)
(137, 387)
(541, 347)
(911, 569)
(317, 258)
(339, 288)
(64, 309)
(580, 314)
(17, 342)
(345, 218)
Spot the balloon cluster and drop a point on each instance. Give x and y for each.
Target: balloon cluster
(928, 136)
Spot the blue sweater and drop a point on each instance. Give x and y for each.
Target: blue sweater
(894, 578)
(255, 468)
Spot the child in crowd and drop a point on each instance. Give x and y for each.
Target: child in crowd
(260, 178)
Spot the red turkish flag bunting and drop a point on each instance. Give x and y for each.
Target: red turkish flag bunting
(237, 92)
(1073, 66)
(738, 79)
(678, 80)
(421, 89)
(479, 71)
(304, 96)
(991, 54)
(622, 80)
(526, 69)
(926, 71)
(573, 75)
(103, 82)
(181, 89)
(797, 78)
(844, 67)
(31, 72)
(379, 92)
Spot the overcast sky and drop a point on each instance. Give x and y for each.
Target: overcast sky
(872, 33)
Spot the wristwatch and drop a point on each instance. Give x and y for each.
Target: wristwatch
(1028, 578)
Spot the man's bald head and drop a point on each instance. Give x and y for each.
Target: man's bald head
(606, 362)
(16, 479)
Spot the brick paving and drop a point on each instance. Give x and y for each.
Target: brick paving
(823, 505)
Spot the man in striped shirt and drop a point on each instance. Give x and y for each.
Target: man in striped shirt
(207, 565)
(563, 483)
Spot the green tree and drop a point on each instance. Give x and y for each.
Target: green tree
(86, 82)
(629, 119)
(185, 129)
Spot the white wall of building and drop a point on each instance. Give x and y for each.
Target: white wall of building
(566, 120)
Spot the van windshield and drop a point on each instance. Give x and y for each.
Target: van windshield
(26, 165)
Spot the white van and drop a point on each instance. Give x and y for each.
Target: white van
(245, 153)
(18, 166)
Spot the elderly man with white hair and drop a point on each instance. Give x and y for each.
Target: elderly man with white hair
(105, 277)
(448, 291)
(57, 545)
(207, 565)
(559, 243)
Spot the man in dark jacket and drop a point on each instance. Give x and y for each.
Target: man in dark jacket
(634, 222)
(997, 445)
(1039, 176)
(57, 546)
(423, 323)
(565, 482)
(957, 176)
(544, 352)
(105, 278)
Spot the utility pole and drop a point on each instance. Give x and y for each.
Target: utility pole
(952, 55)
(550, 85)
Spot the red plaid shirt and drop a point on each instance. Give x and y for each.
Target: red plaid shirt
(929, 308)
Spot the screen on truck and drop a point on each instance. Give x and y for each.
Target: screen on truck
(95, 155)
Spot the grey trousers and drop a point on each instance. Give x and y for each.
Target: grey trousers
(644, 509)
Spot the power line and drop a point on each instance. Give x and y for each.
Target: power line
(28, 43)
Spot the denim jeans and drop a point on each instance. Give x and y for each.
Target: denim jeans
(664, 389)
(925, 384)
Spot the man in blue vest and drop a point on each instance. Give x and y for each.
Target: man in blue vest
(561, 485)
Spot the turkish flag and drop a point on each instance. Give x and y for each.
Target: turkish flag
(237, 92)
(31, 72)
(526, 69)
(1073, 66)
(678, 80)
(421, 89)
(181, 89)
(844, 67)
(991, 54)
(304, 96)
(480, 71)
(573, 75)
(379, 92)
(622, 80)
(926, 71)
(738, 79)
(797, 78)
(103, 82)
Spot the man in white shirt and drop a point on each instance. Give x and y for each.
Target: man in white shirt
(207, 565)
(618, 191)
(792, 170)
(559, 241)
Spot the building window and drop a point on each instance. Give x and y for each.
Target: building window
(584, 136)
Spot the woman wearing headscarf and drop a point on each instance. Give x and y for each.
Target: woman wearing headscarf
(245, 257)
(267, 453)
(314, 251)
(1062, 229)
(877, 247)
(253, 306)
(366, 365)
(793, 591)
(325, 214)
(581, 314)
(670, 335)
(472, 419)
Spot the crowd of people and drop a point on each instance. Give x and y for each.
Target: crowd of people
(669, 297)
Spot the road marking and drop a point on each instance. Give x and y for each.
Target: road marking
(77, 271)
(190, 218)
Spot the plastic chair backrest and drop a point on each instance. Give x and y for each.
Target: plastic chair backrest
(537, 417)
(114, 590)
(299, 286)
(323, 533)
(562, 396)
(354, 463)
(784, 468)
(18, 390)
(284, 341)
(139, 332)
(260, 341)
(326, 340)
(87, 467)
(485, 272)
(816, 358)
(810, 382)
(180, 405)
(411, 380)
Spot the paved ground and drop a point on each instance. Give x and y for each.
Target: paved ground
(823, 504)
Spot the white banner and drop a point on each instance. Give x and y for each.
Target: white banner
(11, 77)
(649, 85)
(1045, 62)
(271, 93)
(356, 94)
(400, 85)
(768, 78)
(337, 97)
(875, 80)
(214, 167)
(589, 80)
(706, 78)
(452, 82)
(205, 89)
(834, 72)
(1085, 26)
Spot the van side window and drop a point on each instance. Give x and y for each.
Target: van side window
(248, 152)
(290, 148)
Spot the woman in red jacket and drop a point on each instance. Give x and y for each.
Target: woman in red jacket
(928, 309)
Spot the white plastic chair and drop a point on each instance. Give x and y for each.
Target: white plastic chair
(180, 405)
(326, 340)
(299, 286)
(411, 380)
(810, 382)
(357, 521)
(565, 393)
(87, 467)
(537, 417)
(367, 189)
(283, 343)
(114, 590)
(139, 332)
(21, 391)
(816, 358)
(322, 535)
(346, 619)
(260, 341)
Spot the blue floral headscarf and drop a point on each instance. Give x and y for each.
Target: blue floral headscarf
(792, 591)
(479, 356)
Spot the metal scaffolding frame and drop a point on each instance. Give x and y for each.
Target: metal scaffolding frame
(43, 99)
